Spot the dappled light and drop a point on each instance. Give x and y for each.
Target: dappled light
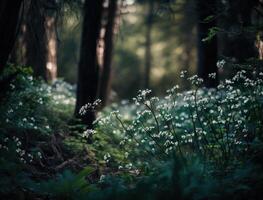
(131, 99)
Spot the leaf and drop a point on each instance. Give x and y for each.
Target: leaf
(86, 171)
(209, 18)
(211, 34)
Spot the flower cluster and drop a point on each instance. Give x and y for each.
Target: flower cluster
(220, 64)
(14, 145)
(88, 133)
(107, 157)
(217, 124)
(89, 107)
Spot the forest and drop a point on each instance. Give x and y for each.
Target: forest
(131, 99)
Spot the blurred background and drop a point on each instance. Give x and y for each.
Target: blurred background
(170, 36)
(112, 48)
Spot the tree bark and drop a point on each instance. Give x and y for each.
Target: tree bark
(104, 89)
(88, 71)
(36, 45)
(237, 42)
(207, 51)
(51, 65)
(36, 40)
(148, 43)
(9, 21)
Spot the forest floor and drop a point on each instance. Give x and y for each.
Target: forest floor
(196, 144)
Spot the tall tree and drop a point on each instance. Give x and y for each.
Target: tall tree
(238, 40)
(148, 43)
(104, 88)
(9, 21)
(88, 71)
(51, 34)
(35, 39)
(207, 51)
(36, 44)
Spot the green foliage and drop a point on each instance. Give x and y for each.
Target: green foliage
(179, 180)
(32, 106)
(209, 18)
(199, 144)
(219, 126)
(212, 33)
(31, 112)
(66, 185)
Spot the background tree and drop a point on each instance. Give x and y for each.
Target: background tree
(36, 45)
(105, 80)
(148, 42)
(9, 23)
(52, 43)
(207, 50)
(238, 38)
(35, 39)
(88, 71)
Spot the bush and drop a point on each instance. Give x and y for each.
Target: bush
(199, 144)
(32, 112)
(220, 125)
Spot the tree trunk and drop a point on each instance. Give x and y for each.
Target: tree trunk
(51, 64)
(36, 45)
(107, 54)
(148, 44)
(88, 73)
(237, 42)
(36, 40)
(18, 55)
(207, 51)
(9, 21)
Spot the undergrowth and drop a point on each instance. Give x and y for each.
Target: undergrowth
(196, 144)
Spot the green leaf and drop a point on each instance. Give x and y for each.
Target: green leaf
(211, 34)
(209, 18)
(86, 171)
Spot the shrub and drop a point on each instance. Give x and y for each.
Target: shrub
(218, 125)
(31, 113)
